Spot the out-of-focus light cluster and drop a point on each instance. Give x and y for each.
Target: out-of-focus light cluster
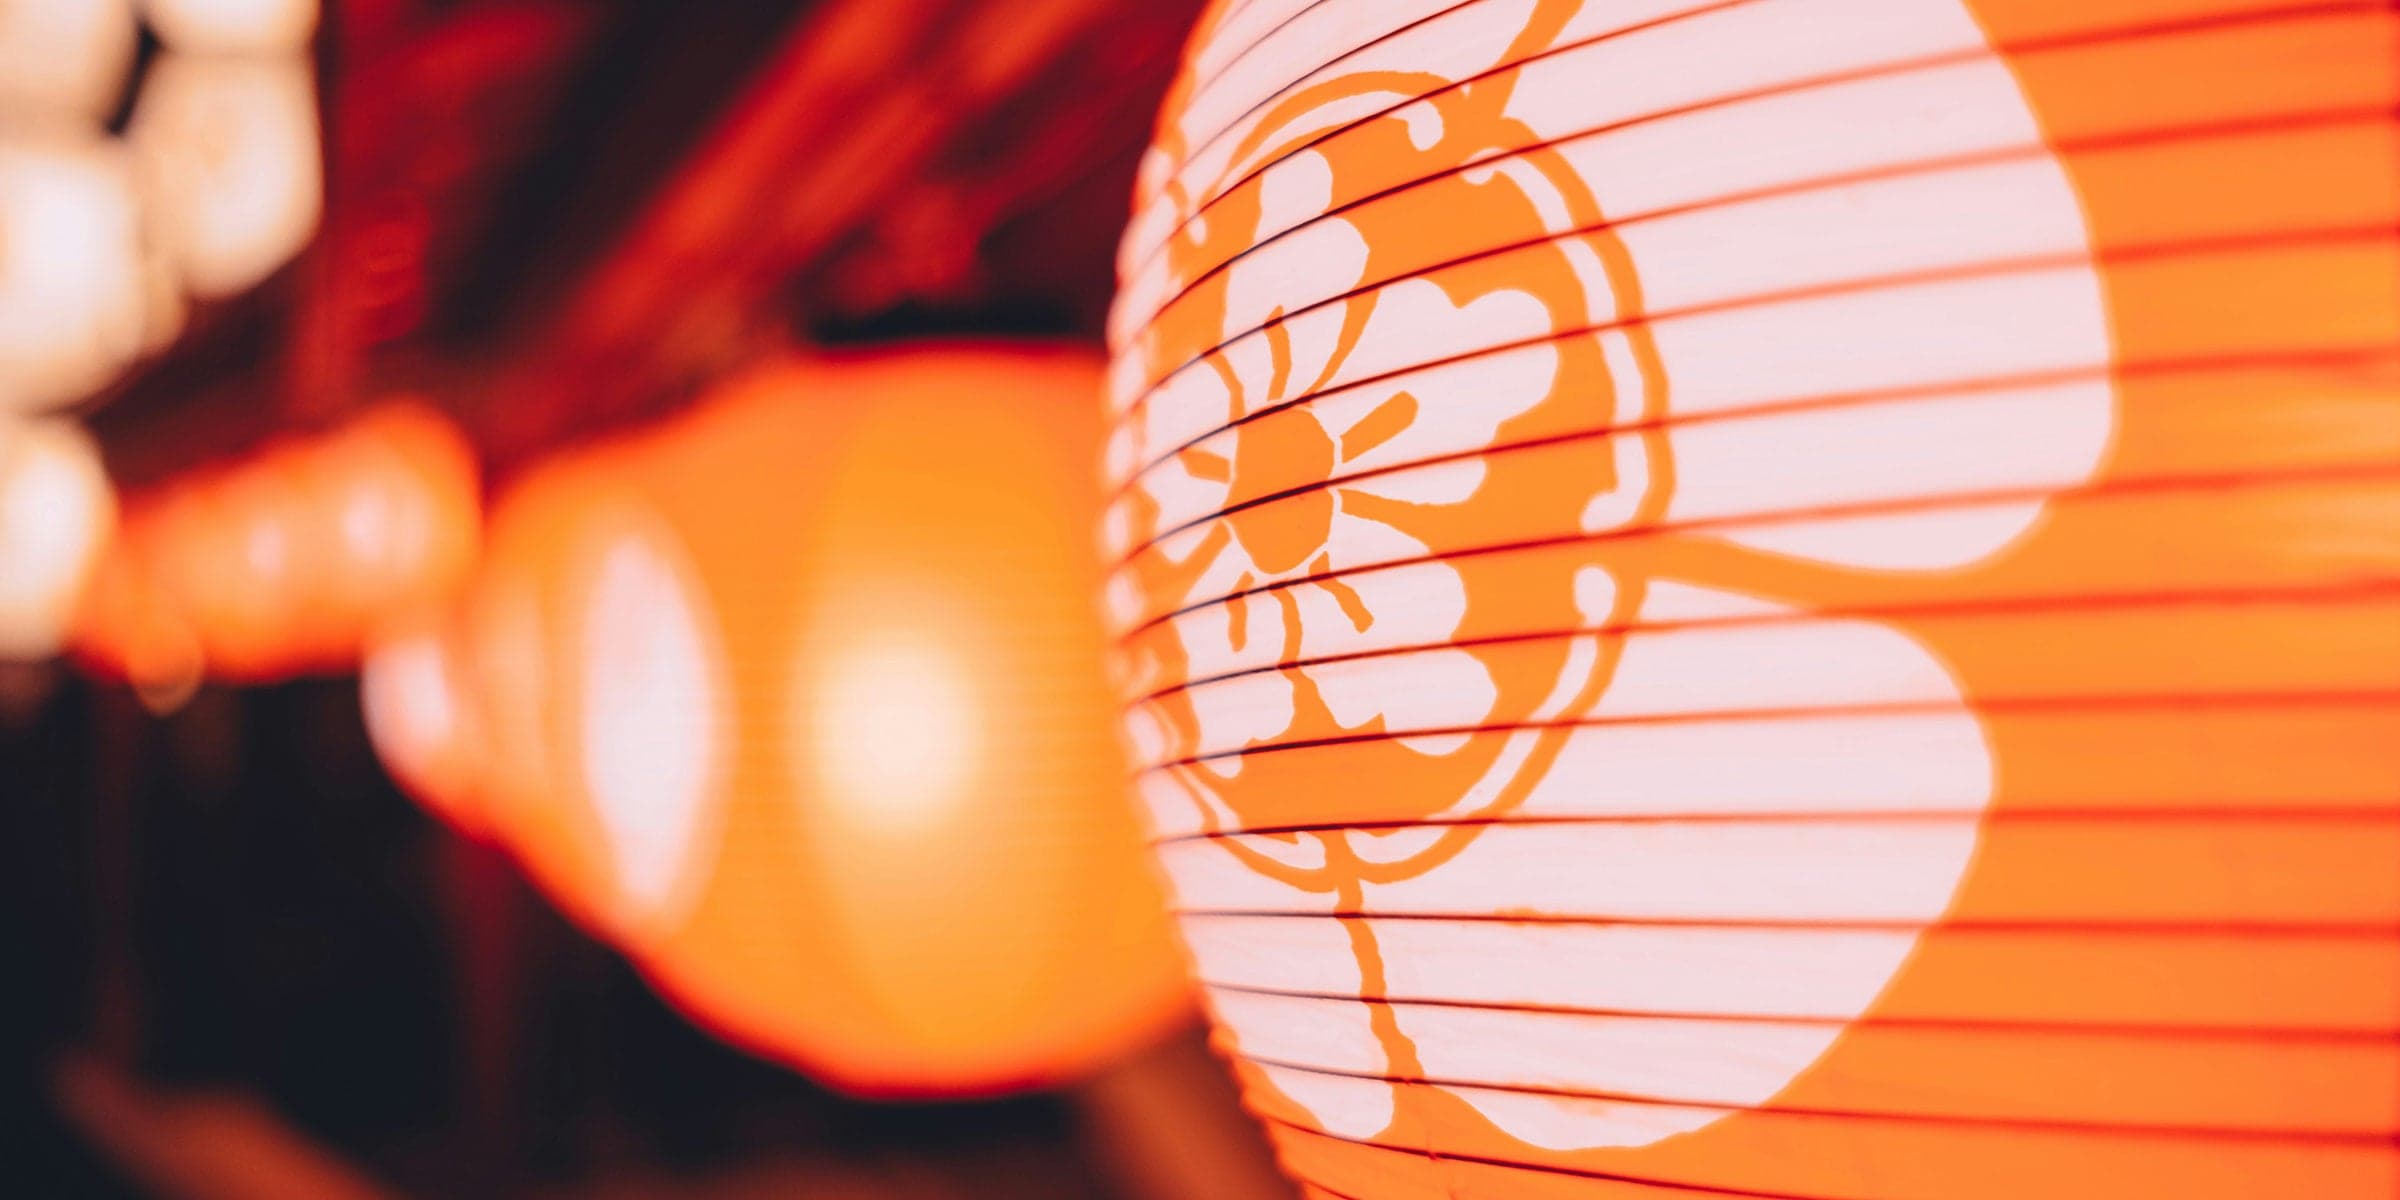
(216, 184)
(288, 561)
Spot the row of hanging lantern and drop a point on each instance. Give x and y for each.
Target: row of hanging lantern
(286, 561)
(1786, 598)
(799, 699)
(214, 183)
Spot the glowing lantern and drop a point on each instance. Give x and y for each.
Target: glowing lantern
(56, 510)
(800, 699)
(233, 26)
(231, 165)
(72, 288)
(65, 57)
(1777, 599)
(291, 560)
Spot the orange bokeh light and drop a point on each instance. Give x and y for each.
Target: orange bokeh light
(288, 561)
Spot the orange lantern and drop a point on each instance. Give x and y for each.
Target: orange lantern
(799, 699)
(288, 561)
(1780, 598)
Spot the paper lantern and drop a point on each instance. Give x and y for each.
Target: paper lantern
(72, 285)
(1777, 599)
(55, 511)
(799, 699)
(232, 171)
(288, 561)
(126, 626)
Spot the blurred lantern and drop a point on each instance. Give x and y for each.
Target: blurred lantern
(799, 698)
(233, 26)
(421, 715)
(72, 288)
(234, 550)
(289, 561)
(230, 165)
(55, 511)
(1778, 599)
(64, 58)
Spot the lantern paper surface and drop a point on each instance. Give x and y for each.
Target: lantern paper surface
(1789, 598)
(799, 698)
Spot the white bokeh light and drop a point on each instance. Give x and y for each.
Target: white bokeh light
(56, 510)
(65, 58)
(231, 167)
(73, 297)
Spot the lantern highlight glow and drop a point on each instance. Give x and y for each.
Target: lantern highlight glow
(64, 58)
(648, 727)
(900, 740)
